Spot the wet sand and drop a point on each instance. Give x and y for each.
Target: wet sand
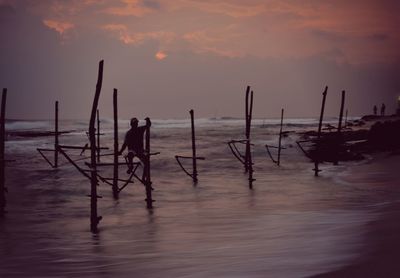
(380, 254)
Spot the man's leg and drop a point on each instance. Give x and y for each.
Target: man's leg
(143, 159)
(130, 162)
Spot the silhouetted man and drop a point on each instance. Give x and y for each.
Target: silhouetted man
(375, 110)
(383, 107)
(134, 142)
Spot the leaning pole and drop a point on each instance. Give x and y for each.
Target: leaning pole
(321, 118)
(94, 218)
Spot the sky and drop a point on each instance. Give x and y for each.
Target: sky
(166, 57)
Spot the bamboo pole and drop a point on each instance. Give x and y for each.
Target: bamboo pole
(98, 135)
(147, 177)
(115, 175)
(339, 130)
(247, 131)
(2, 157)
(280, 139)
(248, 147)
(341, 112)
(194, 158)
(321, 117)
(94, 218)
(56, 136)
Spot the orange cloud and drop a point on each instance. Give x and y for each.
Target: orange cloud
(59, 26)
(130, 8)
(137, 38)
(228, 8)
(115, 27)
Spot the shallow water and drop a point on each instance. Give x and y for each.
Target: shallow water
(290, 225)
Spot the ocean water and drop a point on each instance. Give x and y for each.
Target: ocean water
(290, 225)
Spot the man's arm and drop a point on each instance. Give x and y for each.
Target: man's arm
(146, 128)
(148, 122)
(143, 128)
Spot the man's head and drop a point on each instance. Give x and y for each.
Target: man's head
(134, 122)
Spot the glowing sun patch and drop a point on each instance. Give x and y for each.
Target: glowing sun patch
(160, 55)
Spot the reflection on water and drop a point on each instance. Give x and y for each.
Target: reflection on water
(290, 225)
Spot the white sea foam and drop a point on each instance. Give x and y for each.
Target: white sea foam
(107, 123)
(28, 125)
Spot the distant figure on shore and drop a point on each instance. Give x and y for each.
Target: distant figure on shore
(375, 110)
(134, 142)
(383, 107)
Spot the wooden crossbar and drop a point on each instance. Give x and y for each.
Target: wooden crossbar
(82, 171)
(190, 157)
(45, 158)
(235, 151)
(81, 148)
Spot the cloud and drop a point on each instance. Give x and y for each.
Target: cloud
(115, 27)
(135, 8)
(236, 10)
(364, 30)
(136, 38)
(59, 26)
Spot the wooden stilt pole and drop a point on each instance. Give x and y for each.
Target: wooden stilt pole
(193, 147)
(321, 117)
(247, 131)
(248, 148)
(345, 119)
(98, 136)
(115, 176)
(56, 136)
(250, 113)
(94, 218)
(194, 156)
(280, 139)
(3, 188)
(147, 178)
(339, 130)
(341, 112)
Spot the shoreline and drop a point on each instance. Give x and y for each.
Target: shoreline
(381, 250)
